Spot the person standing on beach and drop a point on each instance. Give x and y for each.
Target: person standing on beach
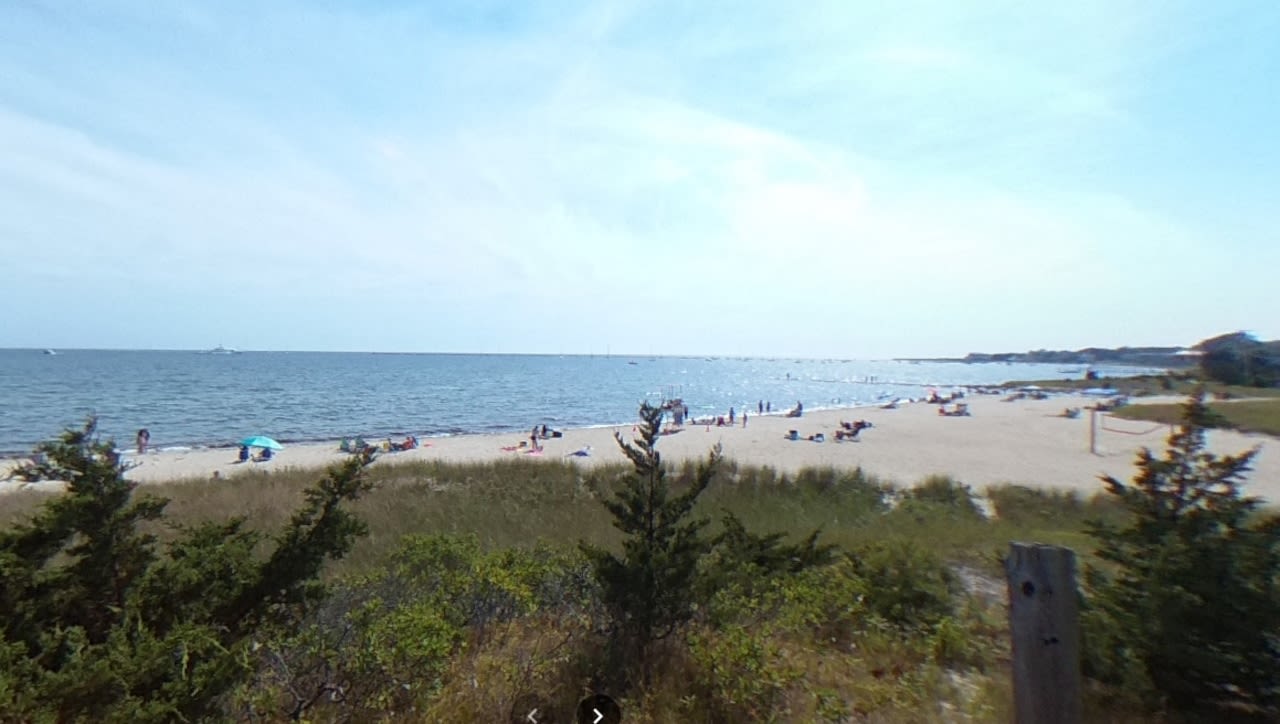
(730, 415)
(144, 438)
(760, 407)
(744, 419)
(768, 407)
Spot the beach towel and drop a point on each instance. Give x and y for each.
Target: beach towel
(536, 453)
(509, 448)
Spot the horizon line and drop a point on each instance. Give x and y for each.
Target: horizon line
(577, 354)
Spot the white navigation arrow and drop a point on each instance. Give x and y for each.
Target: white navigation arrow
(533, 716)
(599, 716)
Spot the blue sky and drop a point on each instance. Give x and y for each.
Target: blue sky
(816, 179)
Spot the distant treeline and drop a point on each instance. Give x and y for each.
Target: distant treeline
(1239, 358)
(1236, 358)
(1137, 356)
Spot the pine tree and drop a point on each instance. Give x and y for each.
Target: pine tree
(98, 620)
(650, 589)
(1190, 594)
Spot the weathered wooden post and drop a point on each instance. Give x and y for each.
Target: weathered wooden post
(1044, 620)
(1093, 431)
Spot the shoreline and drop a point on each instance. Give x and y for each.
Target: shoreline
(1026, 442)
(185, 446)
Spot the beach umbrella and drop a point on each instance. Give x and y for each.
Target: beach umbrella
(261, 441)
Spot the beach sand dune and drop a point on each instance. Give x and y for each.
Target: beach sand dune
(1025, 442)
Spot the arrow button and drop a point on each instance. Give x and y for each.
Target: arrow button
(599, 709)
(532, 716)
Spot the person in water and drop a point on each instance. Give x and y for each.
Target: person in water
(144, 439)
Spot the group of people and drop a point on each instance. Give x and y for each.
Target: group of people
(261, 457)
(730, 420)
(358, 445)
(542, 432)
(795, 435)
(850, 430)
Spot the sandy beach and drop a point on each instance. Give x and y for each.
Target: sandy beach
(1024, 442)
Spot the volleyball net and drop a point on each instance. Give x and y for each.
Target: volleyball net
(1103, 426)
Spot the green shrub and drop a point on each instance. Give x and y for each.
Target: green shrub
(823, 603)
(1187, 604)
(905, 585)
(743, 672)
(387, 640)
(98, 620)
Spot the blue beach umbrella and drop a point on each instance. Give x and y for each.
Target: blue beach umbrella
(261, 441)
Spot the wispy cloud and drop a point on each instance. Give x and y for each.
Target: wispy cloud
(824, 180)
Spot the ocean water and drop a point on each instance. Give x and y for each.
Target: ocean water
(193, 399)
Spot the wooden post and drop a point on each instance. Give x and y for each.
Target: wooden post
(1044, 620)
(1093, 431)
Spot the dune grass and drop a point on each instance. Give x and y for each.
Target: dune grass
(517, 502)
(891, 677)
(1262, 416)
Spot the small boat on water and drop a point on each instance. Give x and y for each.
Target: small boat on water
(221, 350)
(50, 352)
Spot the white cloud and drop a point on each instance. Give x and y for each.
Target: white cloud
(907, 185)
